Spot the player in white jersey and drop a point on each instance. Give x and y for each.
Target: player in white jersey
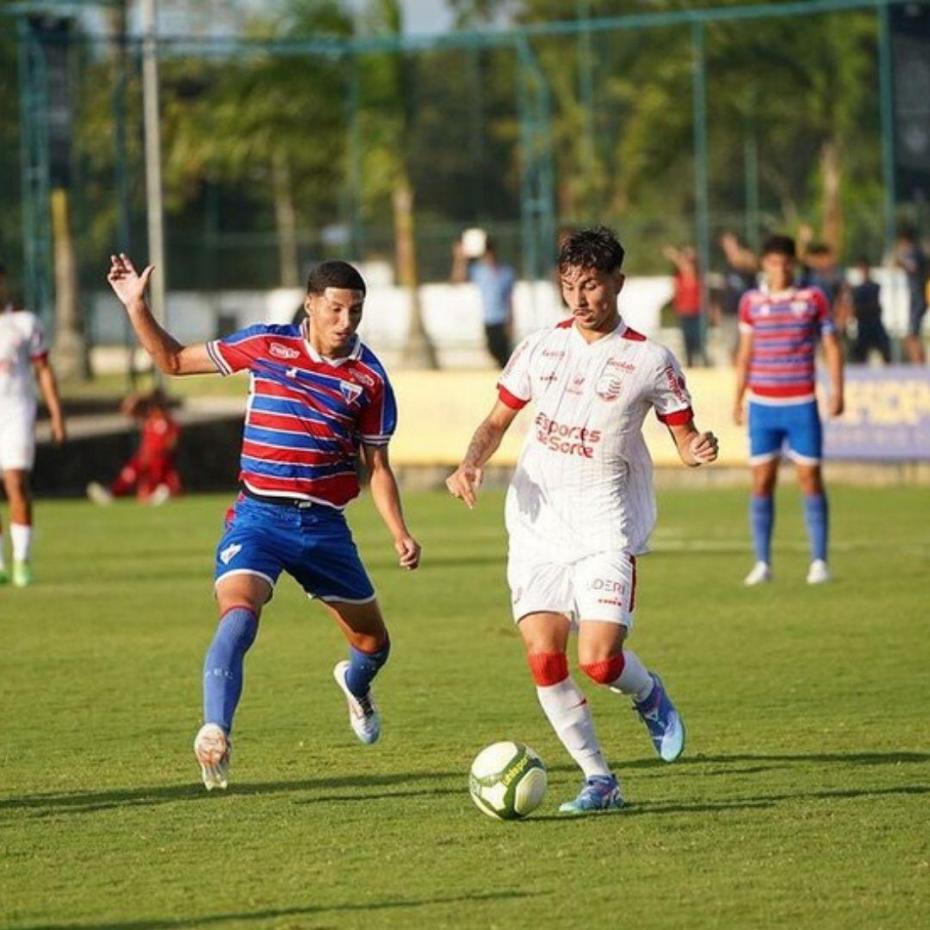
(580, 506)
(23, 352)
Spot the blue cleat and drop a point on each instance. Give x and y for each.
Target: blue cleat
(599, 793)
(664, 723)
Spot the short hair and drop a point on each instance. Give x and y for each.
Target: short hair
(335, 274)
(779, 245)
(819, 248)
(592, 248)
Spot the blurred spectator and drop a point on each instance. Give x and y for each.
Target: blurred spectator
(912, 258)
(867, 310)
(151, 472)
(474, 259)
(687, 301)
(739, 276)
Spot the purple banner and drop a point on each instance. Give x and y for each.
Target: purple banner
(887, 415)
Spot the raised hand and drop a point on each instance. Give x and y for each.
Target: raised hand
(128, 285)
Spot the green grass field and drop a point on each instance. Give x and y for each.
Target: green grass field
(802, 800)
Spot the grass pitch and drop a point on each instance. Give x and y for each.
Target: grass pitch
(802, 800)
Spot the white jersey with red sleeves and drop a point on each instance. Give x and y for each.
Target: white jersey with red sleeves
(785, 328)
(307, 415)
(583, 484)
(22, 341)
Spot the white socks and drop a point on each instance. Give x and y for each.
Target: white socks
(634, 680)
(568, 712)
(21, 537)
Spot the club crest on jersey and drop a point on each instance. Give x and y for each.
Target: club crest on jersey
(229, 553)
(350, 392)
(280, 351)
(608, 386)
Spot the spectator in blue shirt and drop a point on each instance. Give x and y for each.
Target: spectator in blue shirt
(495, 283)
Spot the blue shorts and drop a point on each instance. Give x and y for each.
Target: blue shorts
(312, 544)
(771, 425)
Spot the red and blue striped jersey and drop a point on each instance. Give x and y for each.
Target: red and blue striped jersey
(307, 415)
(785, 328)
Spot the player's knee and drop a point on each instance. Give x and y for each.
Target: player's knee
(548, 668)
(606, 671)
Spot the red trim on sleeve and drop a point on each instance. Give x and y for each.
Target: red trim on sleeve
(633, 336)
(677, 417)
(511, 400)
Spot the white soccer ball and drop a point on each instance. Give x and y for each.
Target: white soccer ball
(507, 780)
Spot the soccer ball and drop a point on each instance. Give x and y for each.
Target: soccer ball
(507, 780)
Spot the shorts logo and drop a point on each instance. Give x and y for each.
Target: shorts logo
(279, 351)
(608, 387)
(229, 553)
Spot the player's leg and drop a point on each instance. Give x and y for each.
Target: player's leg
(545, 637)
(16, 485)
(328, 566)
(247, 566)
(605, 594)
(805, 446)
(369, 648)
(766, 436)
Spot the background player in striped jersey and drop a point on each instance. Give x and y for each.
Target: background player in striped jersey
(580, 506)
(780, 325)
(319, 398)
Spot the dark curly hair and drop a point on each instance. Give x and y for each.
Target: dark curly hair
(592, 248)
(779, 245)
(334, 274)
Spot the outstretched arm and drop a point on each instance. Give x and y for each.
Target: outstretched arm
(694, 448)
(464, 482)
(166, 352)
(386, 496)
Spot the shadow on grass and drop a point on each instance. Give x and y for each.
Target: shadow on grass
(47, 804)
(655, 808)
(82, 802)
(168, 923)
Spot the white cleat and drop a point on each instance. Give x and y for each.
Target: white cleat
(363, 714)
(818, 573)
(212, 748)
(760, 574)
(99, 494)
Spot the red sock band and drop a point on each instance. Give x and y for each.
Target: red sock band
(548, 668)
(605, 672)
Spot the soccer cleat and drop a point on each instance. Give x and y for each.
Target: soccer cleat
(22, 573)
(159, 495)
(818, 573)
(99, 494)
(363, 714)
(599, 793)
(212, 748)
(760, 574)
(662, 720)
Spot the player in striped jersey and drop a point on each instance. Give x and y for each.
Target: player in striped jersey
(319, 401)
(580, 506)
(780, 325)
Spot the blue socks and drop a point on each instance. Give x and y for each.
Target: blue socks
(816, 518)
(363, 666)
(222, 667)
(762, 520)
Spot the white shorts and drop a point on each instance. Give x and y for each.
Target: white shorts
(599, 587)
(17, 438)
